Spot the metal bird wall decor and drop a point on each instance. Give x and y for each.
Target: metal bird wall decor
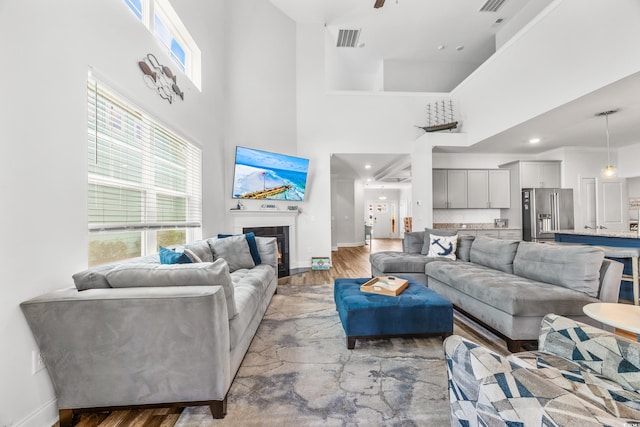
(160, 78)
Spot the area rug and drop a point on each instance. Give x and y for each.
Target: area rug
(298, 372)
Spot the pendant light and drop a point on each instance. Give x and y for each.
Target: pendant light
(609, 171)
(382, 196)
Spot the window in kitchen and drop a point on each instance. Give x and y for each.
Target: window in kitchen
(144, 181)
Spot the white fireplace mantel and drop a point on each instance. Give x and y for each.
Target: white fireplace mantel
(269, 218)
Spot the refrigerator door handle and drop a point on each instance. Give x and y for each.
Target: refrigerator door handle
(556, 212)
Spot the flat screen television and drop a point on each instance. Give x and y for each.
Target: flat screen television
(269, 176)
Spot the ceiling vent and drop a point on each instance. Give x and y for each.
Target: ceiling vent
(492, 5)
(348, 38)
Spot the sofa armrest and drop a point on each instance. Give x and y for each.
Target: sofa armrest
(610, 276)
(597, 350)
(115, 347)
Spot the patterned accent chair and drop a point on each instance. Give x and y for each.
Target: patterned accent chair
(580, 376)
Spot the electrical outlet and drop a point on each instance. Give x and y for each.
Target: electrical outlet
(37, 362)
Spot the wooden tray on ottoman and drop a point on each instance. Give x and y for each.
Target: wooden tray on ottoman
(385, 285)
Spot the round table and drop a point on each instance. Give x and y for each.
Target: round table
(622, 316)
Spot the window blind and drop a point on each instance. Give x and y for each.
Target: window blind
(142, 176)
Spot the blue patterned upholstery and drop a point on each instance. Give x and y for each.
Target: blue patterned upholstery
(580, 376)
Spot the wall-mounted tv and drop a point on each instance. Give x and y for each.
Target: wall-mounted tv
(269, 176)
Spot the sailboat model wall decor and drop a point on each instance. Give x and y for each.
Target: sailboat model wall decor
(440, 117)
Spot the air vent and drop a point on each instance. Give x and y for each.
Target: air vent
(492, 5)
(348, 38)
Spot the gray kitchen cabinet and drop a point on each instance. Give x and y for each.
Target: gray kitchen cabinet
(449, 188)
(488, 233)
(544, 174)
(488, 189)
(513, 234)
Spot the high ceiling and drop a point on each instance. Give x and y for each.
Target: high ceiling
(413, 30)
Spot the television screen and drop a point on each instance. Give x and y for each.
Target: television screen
(270, 176)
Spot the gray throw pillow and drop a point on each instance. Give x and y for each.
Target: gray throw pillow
(573, 267)
(463, 252)
(494, 253)
(412, 242)
(426, 244)
(137, 275)
(234, 250)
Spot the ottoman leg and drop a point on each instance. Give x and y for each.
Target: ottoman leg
(351, 343)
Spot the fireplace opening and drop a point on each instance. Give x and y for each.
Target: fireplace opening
(281, 233)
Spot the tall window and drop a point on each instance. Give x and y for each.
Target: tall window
(144, 181)
(164, 23)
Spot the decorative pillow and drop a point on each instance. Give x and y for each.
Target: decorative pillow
(426, 244)
(135, 275)
(443, 246)
(192, 255)
(233, 249)
(200, 248)
(253, 246)
(169, 256)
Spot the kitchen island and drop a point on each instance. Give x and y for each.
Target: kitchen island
(611, 239)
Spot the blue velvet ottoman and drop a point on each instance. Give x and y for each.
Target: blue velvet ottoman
(416, 312)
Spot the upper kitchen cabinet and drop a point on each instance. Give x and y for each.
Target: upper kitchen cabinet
(488, 189)
(544, 174)
(449, 188)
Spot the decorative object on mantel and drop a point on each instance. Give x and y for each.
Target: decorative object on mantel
(268, 207)
(440, 117)
(501, 222)
(609, 171)
(293, 208)
(160, 78)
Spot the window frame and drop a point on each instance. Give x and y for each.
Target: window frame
(178, 31)
(161, 150)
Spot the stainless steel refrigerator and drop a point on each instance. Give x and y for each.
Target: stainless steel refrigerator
(545, 210)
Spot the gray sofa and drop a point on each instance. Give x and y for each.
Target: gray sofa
(509, 285)
(144, 333)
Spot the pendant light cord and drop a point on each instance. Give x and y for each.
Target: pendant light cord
(606, 117)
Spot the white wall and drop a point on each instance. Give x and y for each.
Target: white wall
(260, 110)
(565, 53)
(47, 50)
(423, 76)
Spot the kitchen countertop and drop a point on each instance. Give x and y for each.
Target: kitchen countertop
(602, 233)
(476, 226)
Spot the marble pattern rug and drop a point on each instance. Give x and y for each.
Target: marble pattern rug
(298, 372)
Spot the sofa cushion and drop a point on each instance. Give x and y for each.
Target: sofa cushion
(574, 267)
(170, 256)
(442, 246)
(233, 249)
(517, 296)
(135, 275)
(200, 248)
(192, 255)
(95, 277)
(412, 242)
(253, 246)
(400, 262)
(494, 253)
(426, 238)
(463, 251)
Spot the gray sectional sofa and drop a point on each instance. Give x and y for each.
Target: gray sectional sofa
(144, 333)
(509, 285)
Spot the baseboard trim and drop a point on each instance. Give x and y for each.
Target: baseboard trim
(45, 415)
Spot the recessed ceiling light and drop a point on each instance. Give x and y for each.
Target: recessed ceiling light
(459, 47)
(534, 140)
(441, 47)
(368, 179)
(367, 166)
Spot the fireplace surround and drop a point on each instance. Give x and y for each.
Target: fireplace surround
(281, 233)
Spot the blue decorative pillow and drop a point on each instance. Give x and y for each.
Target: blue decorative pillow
(253, 246)
(167, 256)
